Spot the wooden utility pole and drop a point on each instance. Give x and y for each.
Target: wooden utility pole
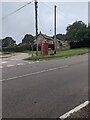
(36, 24)
(55, 44)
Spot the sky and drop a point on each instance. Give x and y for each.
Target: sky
(23, 21)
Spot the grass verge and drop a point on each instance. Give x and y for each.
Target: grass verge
(4, 53)
(31, 52)
(66, 53)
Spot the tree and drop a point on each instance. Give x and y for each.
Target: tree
(77, 32)
(60, 37)
(89, 32)
(8, 41)
(89, 36)
(27, 39)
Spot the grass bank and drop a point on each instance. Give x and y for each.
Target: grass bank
(66, 53)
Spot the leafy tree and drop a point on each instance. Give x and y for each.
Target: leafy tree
(28, 39)
(77, 32)
(89, 36)
(89, 32)
(8, 41)
(60, 37)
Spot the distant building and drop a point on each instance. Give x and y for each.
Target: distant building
(42, 38)
(50, 40)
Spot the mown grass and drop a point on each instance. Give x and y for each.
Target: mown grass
(4, 53)
(66, 53)
(34, 52)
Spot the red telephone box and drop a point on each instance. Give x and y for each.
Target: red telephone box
(44, 47)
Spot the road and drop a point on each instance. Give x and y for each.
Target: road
(13, 59)
(44, 89)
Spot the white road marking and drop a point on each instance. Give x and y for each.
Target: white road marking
(20, 64)
(10, 65)
(76, 109)
(43, 71)
(16, 65)
(37, 61)
(30, 62)
(4, 62)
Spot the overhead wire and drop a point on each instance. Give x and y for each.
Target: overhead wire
(51, 27)
(59, 12)
(40, 24)
(17, 10)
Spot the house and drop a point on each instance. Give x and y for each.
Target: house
(50, 40)
(42, 38)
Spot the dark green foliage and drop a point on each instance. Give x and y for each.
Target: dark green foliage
(77, 32)
(8, 41)
(21, 48)
(78, 35)
(60, 37)
(51, 46)
(28, 39)
(35, 46)
(89, 33)
(79, 44)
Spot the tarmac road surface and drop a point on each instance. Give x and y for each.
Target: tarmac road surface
(44, 89)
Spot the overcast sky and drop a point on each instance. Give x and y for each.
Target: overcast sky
(23, 22)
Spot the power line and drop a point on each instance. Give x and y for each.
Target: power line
(51, 27)
(41, 25)
(16, 10)
(47, 5)
(59, 12)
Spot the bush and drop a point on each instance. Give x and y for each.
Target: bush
(79, 44)
(17, 48)
(51, 46)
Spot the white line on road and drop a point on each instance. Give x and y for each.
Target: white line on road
(52, 69)
(76, 109)
(10, 65)
(20, 64)
(30, 62)
(4, 62)
(16, 65)
(37, 61)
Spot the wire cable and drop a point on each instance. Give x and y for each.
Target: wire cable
(16, 10)
(51, 8)
(41, 25)
(59, 12)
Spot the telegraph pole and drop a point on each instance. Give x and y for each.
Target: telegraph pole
(36, 25)
(55, 46)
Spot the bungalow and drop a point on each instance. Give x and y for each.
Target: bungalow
(42, 38)
(50, 40)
